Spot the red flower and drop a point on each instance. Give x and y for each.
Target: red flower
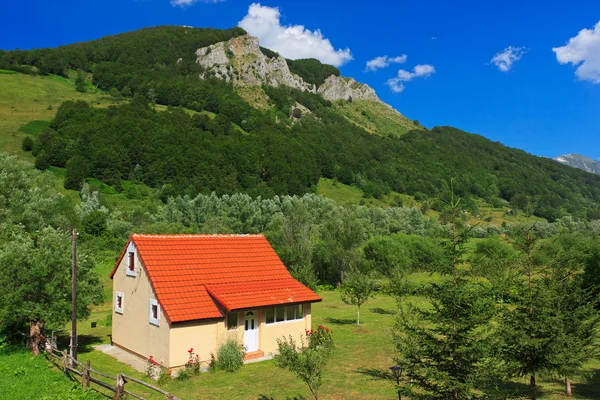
(327, 329)
(191, 350)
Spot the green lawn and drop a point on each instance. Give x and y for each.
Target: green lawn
(358, 370)
(25, 377)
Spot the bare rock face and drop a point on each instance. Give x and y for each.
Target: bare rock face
(241, 61)
(341, 88)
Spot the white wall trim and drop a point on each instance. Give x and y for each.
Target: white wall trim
(117, 308)
(154, 321)
(128, 271)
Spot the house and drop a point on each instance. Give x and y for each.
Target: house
(176, 292)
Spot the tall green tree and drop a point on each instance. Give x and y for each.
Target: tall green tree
(444, 349)
(35, 283)
(550, 327)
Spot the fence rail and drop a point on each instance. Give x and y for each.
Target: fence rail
(70, 365)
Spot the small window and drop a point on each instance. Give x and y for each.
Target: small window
(299, 311)
(290, 313)
(131, 263)
(279, 314)
(270, 315)
(232, 320)
(154, 312)
(119, 302)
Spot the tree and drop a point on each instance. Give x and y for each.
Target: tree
(356, 288)
(445, 348)
(27, 143)
(551, 326)
(78, 168)
(577, 332)
(309, 362)
(35, 283)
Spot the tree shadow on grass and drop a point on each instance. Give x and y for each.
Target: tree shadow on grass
(376, 373)
(590, 389)
(379, 310)
(340, 321)
(85, 343)
(265, 397)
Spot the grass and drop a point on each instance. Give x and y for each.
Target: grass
(346, 195)
(26, 98)
(359, 368)
(34, 128)
(26, 377)
(375, 117)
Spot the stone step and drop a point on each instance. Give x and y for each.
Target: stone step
(254, 354)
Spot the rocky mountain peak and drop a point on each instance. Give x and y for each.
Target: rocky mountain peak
(579, 161)
(241, 61)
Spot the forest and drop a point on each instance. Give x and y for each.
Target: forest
(227, 146)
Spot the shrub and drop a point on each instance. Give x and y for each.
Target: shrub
(230, 356)
(49, 107)
(27, 143)
(309, 363)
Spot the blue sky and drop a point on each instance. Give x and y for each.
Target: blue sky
(447, 78)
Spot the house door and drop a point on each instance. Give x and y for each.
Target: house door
(250, 332)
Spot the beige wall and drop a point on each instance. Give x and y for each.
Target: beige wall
(269, 333)
(205, 337)
(132, 330)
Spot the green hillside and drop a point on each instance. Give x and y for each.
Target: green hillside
(375, 117)
(221, 142)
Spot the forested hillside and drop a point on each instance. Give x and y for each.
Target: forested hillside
(223, 144)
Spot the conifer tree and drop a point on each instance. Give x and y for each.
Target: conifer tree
(444, 348)
(550, 328)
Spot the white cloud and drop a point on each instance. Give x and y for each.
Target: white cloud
(583, 51)
(291, 41)
(185, 3)
(384, 61)
(419, 71)
(506, 58)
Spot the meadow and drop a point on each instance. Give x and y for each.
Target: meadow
(359, 368)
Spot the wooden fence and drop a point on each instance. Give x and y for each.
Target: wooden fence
(85, 371)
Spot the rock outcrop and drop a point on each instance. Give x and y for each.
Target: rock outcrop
(241, 62)
(342, 88)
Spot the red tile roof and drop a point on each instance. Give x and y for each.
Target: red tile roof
(193, 276)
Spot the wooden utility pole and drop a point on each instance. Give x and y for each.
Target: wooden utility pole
(74, 298)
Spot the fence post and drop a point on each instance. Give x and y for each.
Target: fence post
(119, 387)
(85, 375)
(64, 361)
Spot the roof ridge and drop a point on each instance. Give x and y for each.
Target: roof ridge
(196, 235)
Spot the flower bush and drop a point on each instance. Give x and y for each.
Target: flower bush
(193, 362)
(156, 371)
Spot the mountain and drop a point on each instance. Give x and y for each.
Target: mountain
(235, 117)
(581, 162)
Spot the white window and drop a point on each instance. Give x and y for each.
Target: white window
(130, 262)
(232, 320)
(285, 313)
(154, 312)
(119, 297)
